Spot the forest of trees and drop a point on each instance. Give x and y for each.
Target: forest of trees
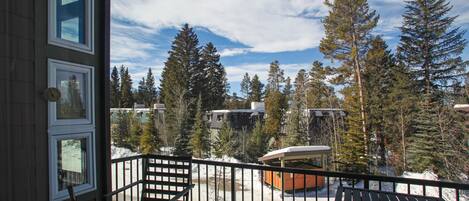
(398, 103)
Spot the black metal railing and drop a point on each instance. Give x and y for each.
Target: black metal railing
(215, 180)
(127, 178)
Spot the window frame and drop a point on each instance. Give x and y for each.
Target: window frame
(55, 194)
(88, 46)
(53, 66)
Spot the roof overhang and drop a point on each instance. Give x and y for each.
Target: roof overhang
(296, 152)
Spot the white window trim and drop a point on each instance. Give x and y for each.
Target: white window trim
(53, 66)
(88, 47)
(55, 194)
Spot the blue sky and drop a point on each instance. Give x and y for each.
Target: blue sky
(248, 34)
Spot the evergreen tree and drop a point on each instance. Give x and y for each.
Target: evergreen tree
(176, 89)
(399, 113)
(295, 129)
(275, 78)
(377, 73)
(200, 135)
(224, 141)
(121, 132)
(318, 93)
(115, 88)
(135, 133)
(127, 99)
(255, 95)
(257, 143)
(245, 85)
(141, 90)
(274, 104)
(430, 46)
(150, 141)
(150, 95)
(424, 152)
(182, 127)
(216, 87)
(287, 93)
(352, 156)
(348, 32)
(245, 88)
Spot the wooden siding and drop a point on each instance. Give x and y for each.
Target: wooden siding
(23, 111)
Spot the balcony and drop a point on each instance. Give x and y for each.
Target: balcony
(215, 180)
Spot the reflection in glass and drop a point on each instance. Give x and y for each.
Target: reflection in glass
(71, 20)
(72, 103)
(71, 163)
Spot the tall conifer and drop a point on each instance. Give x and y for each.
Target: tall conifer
(430, 46)
(115, 88)
(127, 99)
(216, 86)
(348, 33)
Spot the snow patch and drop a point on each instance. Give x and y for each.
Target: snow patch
(120, 152)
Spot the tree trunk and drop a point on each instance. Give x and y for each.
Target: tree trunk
(358, 76)
(401, 115)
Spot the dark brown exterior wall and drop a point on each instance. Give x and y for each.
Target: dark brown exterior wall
(23, 111)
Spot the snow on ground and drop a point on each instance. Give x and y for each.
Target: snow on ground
(448, 194)
(119, 152)
(248, 183)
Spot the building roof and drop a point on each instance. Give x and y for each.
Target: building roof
(462, 107)
(296, 152)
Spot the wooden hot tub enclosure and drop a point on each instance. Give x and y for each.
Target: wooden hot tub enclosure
(290, 184)
(296, 157)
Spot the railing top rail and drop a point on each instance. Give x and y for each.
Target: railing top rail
(164, 157)
(443, 184)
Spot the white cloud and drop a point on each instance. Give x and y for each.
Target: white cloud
(263, 25)
(228, 52)
(125, 48)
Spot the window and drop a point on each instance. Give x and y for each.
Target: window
(71, 129)
(219, 117)
(76, 102)
(71, 24)
(71, 163)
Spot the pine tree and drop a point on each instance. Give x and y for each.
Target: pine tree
(115, 88)
(127, 99)
(287, 93)
(141, 90)
(430, 46)
(200, 135)
(377, 73)
(255, 95)
(274, 104)
(423, 150)
(150, 141)
(183, 126)
(257, 143)
(348, 32)
(318, 93)
(245, 85)
(216, 82)
(295, 129)
(245, 88)
(224, 141)
(121, 132)
(150, 95)
(399, 113)
(352, 156)
(135, 132)
(275, 78)
(176, 87)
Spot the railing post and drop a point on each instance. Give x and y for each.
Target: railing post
(366, 184)
(233, 184)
